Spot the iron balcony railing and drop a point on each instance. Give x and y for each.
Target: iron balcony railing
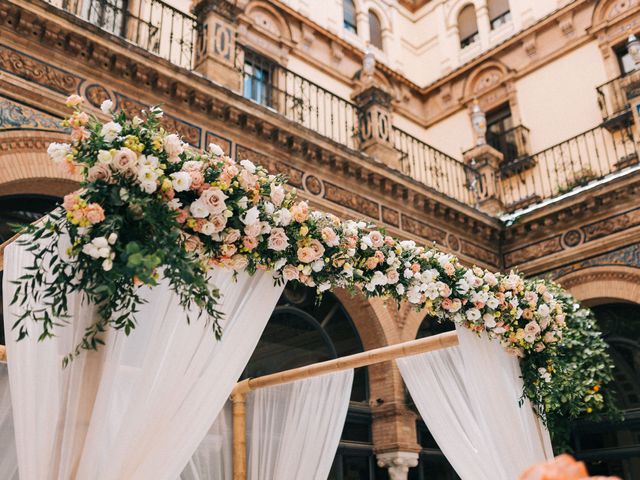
(297, 98)
(613, 97)
(585, 158)
(152, 25)
(436, 169)
(512, 143)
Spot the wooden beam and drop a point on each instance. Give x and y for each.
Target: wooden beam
(378, 355)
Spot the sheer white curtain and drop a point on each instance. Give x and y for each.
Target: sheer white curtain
(8, 458)
(293, 431)
(295, 428)
(141, 405)
(468, 397)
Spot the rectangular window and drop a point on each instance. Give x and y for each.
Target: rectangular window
(259, 78)
(499, 13)
(500, 132)
(626, 63)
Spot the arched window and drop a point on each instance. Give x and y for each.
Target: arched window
(375, 30)
(467, 26)
(499, 12)
(349, 16)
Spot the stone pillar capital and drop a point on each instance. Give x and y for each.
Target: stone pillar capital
(398, 463)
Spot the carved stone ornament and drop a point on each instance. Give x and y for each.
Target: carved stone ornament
(398, 463)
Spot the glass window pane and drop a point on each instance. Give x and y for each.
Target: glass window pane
(375, 30)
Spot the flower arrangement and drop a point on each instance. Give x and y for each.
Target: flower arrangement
(151, 205)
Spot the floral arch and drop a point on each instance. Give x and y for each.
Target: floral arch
(151, 205)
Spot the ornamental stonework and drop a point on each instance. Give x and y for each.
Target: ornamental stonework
(29, 68)
(351, 200)
(294, 175)
(480, 253)
(535, 250)
(14, 115)
(611, 225)
(423, 230)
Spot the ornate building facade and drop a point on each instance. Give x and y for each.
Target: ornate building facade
(504, 131)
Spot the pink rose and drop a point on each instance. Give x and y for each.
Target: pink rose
(192, 243)
(278, 240)
(237, 262)
(532, 328)
(99, 171)
(330, 237)
(182, 215)
(219, 222)
(377, 240)
(306, 254)
(231, 236)
(70, 200)
(94, 213)
(213, 199)
(125, 160)
(253, 230)
(197, 179)
(300, 212)
(290, 273)
(277, 195)
(249, 242)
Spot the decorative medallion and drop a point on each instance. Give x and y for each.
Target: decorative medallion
(572, 238)
(453, 242)
(313, 185)
(96, 94)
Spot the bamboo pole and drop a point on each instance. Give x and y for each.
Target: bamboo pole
(378, 355)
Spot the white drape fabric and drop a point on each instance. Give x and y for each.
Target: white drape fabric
(140, 406)
(295, 428)
(468, 397)
(293, 431)
(214, 457)
(8, 457)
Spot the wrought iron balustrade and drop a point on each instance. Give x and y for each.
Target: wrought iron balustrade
(512, 143)
(436, 169)
(613, 99)
(298, 99)
(152, 25)
(585, 158)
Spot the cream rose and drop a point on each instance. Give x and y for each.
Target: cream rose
(278, 240)
(99, 171)
(277, 195)
(125, 160)
(213, 199)
(173, 146)
(330, 237)
(290, 273)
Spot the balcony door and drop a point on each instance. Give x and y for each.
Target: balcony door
(500, 132)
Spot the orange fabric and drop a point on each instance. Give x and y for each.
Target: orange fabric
(563, 467)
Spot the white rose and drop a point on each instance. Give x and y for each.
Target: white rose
(216, 149)
(198, 209)
(173, 147)
(324, 286)
(473, 314)
(58, 151)
(181, 181)
(251, 216)
(277, 194)
(400, 289)
(107, 264)
(106, 107)
(283, 217)
(110, 131)
(489, 320)
(104, 157)
(248, 165)
(148, 186)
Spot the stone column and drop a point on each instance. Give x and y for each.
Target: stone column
(486, 161)
(375, 124)
(484, 25)
(215, 52)
(398, 463)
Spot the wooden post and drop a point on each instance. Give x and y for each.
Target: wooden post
(239, 413)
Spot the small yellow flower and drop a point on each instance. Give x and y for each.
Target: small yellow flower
(166, 185)
(589, 409)
(191, 222)
(304, 230)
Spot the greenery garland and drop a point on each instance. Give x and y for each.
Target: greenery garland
(152, 205)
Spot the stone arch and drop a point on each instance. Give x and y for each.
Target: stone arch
(604, 284)
(269, 20)
(485, 78)
(25, 166)
(607, 10)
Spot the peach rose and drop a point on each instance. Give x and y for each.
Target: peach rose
(237, 262)
(306, 254)
(94, 213)
(125, 160)
(197, 179)
(182, 215)
(330, 237)
(290, 273)
(213, 199)
(278, 240)
(231, 236)
(277, 195)
(371, 263)
(253, 230)
(192, 243)
(79, 134)
(300, 212)
(377, 240)
(73, 100)
(247, 180)
(317, 248)
(99, 171)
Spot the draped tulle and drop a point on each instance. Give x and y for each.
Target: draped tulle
(469, 397)
(139, 406)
